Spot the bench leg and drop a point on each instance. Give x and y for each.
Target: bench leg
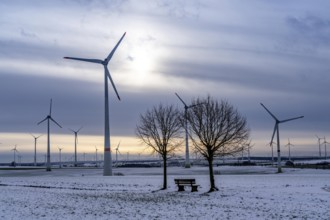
(194, 188)
(181, 188)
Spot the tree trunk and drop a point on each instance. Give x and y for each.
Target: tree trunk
(165, 173)
(212, 183)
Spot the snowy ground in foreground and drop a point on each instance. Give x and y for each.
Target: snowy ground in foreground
(259, 193)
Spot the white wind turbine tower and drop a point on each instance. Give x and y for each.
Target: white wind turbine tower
(84, 155)
(325, 148)
(186, 107)
(276, 129)
(117, 151)
(289, 146)
(15, 150)
(35, 148)
(60, 155)
(249, 146)
(96, 156)
(107, 170)
(49, 118)
(319, 141)
(75, 144)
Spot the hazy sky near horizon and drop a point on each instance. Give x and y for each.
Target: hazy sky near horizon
(247, 52)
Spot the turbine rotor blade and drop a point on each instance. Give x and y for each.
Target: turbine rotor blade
(185, 105)
(109, 76)
(114, 49)
(290, 119)
(42, 121)
(269, 112)
(275, 129)
(55, 122)
(50, 109)
(80, 128)
(85, 60)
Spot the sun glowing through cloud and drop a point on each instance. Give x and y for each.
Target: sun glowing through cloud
(142, 64)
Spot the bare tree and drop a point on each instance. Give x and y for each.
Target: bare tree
(160, 129)
(217, 129)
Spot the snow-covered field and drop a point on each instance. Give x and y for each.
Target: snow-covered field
(252, 193)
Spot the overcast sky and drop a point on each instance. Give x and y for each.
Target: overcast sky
(247, 52)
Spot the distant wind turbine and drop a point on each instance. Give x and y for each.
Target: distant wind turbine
(75, 144)
(107, 170)
(60, 155)
(276, 129)
(325, 148)
(15, 150)
(186, 107)
(96, 155)
(49, 118)
(289, 146)
(35, 148)
(319, 141)
(117, 151)
(84, 155)
(249, 146)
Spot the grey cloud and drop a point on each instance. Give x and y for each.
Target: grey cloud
(310, 24)
(25, 101)
(181, 9)
(25, 33)
(275, 79)
(310, 33)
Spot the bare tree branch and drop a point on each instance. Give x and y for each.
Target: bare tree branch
(160, 129)
(217, 129)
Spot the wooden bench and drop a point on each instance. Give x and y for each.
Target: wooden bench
(186, 182)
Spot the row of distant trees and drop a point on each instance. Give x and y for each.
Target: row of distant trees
(216, 129)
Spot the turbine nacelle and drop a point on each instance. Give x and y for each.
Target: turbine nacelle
(105, 62)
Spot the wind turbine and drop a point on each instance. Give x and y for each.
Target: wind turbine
(107, 170)
(60, 155)
(35, 148)
(96, 155)
(276, 129)
(49, 118)
(15, 150)
(289, 146)
(84, 155)
(75, 144)
(318, 138)
(325, 148)
(249, 146)
(186, 107)
(117, 151)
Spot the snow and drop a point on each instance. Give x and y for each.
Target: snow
(251, 193)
